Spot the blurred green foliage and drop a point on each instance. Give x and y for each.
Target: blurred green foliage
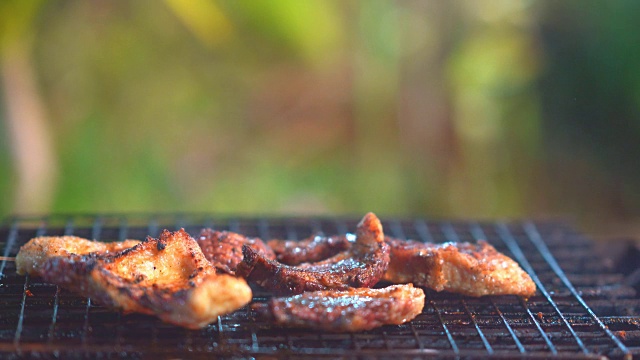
(442, 108)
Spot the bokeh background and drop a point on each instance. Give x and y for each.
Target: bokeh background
(443, 108)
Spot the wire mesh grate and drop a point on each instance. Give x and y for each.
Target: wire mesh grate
(581, 309)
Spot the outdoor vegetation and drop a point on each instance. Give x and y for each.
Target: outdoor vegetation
(461, 109)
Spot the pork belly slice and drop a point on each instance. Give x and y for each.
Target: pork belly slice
(345, 311)
(37, 251)
(315, 248)
(168, 277)
(463, 268)
(362, 265)
(224, 249)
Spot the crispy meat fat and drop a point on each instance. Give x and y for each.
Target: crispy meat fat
(168, 277)
(224, 249)
(345, 311)
(363, 265)
(463, 268)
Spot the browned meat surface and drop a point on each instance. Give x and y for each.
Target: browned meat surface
(168, 277)
(464, 268)
(224, 249)
(350, 310)
(361, 266)
(34, 253)
(315, 248)
(470, 269)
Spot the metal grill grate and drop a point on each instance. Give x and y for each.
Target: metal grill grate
(581, 310)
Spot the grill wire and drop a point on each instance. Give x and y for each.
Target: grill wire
(581, 309)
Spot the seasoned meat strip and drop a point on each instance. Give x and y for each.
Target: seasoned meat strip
(168, 277)
(345, 311)
(37, 251)
(361, 266)
(312, 249)
(464, 268)
(224, 248)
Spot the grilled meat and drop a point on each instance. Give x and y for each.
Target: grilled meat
(464, 268)
(37, 251)
(224, 249)
(168, 277)
(345, 311)
(361, 266)
(312, 249)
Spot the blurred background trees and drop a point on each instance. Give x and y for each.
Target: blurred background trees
(483, 109)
